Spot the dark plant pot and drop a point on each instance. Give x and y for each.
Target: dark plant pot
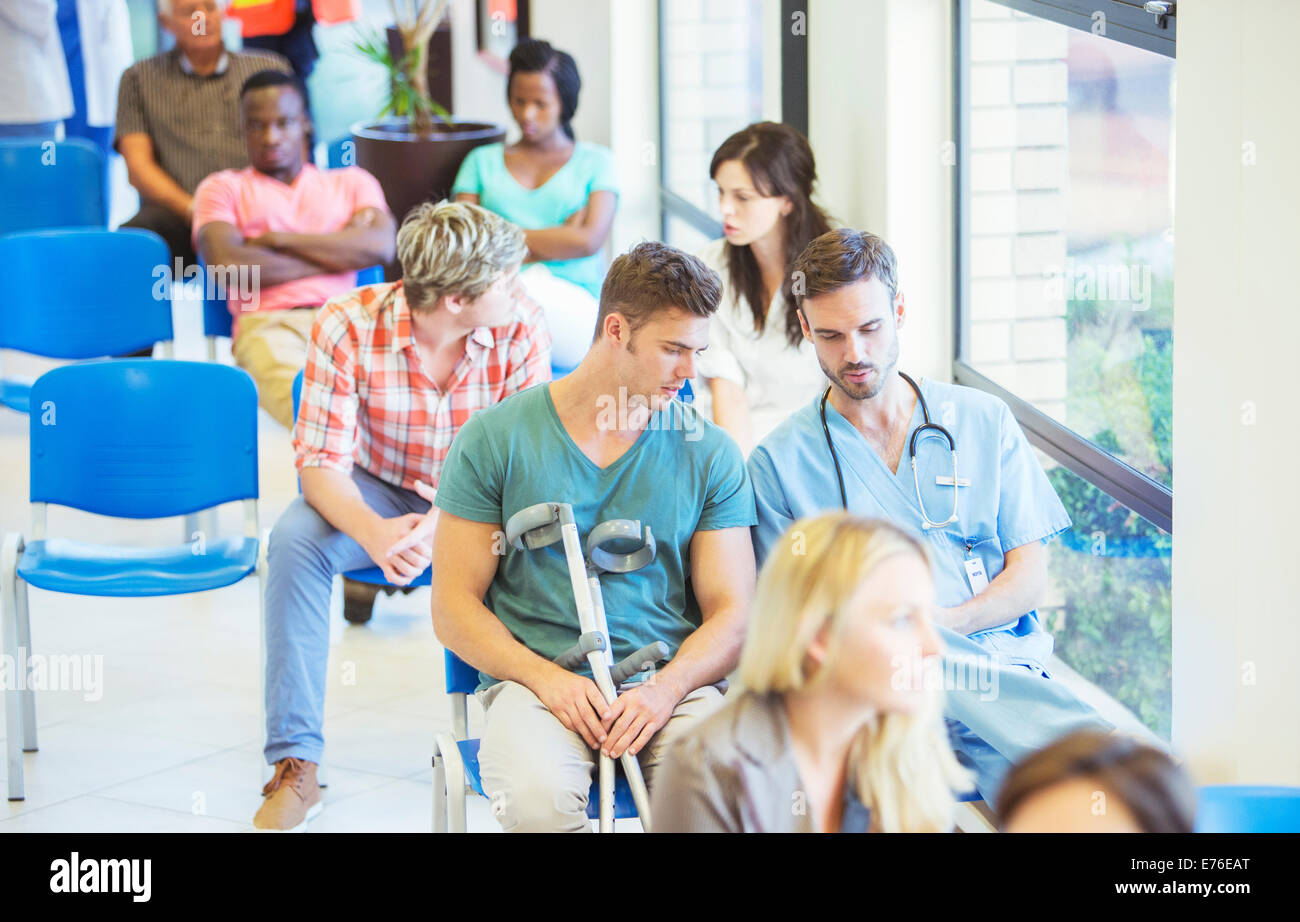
(412, 169)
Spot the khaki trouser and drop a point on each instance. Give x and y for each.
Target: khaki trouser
(272, 347)
(537, 775)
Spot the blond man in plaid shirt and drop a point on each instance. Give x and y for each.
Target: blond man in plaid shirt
(393, 371)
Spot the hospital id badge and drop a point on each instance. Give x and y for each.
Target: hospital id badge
(975, 575)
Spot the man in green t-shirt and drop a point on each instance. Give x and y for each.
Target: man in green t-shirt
(611, 440)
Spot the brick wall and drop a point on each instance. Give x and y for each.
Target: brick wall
(1018, 174)
(713, 83)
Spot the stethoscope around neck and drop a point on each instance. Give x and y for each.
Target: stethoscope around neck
(928, 426)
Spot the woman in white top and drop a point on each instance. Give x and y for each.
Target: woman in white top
(758, 367)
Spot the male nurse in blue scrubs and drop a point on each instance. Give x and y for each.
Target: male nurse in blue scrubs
(986, 530)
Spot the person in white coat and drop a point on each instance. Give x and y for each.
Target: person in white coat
(35, 95)
(96, 38)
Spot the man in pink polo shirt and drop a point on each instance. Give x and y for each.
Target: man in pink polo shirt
(298, 232)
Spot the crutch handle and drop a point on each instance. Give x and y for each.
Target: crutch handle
(639, 661)
(574, 657)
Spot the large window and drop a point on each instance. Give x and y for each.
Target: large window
(712, 56)
(712, 84)
(1065, 277)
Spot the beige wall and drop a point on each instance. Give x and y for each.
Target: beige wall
(1236, 585)
(880, 113)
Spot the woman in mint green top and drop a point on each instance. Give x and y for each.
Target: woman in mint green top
(562, 192)
(484, 177)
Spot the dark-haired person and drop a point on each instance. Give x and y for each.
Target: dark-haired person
(759, 368)
(863, 444)
(561, 191)
(307, 232)
(1097, 782)
(178, 118)
(610, 439)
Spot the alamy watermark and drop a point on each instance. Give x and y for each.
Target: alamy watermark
(241, 284)
(75, 874)
(950, 672)
(83, 672)
(627, 412)
(1116, 283)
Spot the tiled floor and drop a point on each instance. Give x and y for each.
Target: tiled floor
(172, 742)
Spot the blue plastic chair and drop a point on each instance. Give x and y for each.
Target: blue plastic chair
(83, 293)
(138, 439)
(1247, 808)
(216, 313)
(456, 756)
(47, 184)
(340, 153)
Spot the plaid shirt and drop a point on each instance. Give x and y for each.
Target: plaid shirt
(366, 399)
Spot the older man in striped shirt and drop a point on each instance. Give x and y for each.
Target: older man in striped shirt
(393, 371)
(178, 117)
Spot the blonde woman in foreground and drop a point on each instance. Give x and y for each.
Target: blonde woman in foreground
(826, 733)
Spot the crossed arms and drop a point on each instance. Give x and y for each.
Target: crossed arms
(366, 239)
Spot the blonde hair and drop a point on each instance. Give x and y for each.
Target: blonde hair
(455, 248)
(900, 765)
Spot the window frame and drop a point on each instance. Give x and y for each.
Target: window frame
(794, 112)
(1127, 23)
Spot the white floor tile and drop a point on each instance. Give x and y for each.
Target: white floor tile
(100, 814)
(226, 785)
(78, 757)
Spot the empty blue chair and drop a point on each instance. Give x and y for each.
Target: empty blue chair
(138, 439)
(1247, 808)
(216, 314)
(83, 293)
(51, 184)
(455, 759)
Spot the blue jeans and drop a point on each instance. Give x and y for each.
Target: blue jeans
(303, 556)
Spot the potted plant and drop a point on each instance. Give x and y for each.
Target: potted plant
(415, 147)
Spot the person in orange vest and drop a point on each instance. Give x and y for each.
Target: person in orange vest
(285, 27)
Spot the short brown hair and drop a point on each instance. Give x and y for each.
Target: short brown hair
(1154, 788)
(652, 277)
(841, 257)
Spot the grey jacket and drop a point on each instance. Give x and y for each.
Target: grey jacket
(735, 772)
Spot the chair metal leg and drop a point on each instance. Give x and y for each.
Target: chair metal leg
(209, 524)
(439, 791)
(264, 770)
(460, 715)
(13, 544)
(191, 529)
(24, 627)
(453, 769)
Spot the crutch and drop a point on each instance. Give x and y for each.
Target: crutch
(542, 525)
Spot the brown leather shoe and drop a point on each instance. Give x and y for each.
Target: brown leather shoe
(292, 797)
